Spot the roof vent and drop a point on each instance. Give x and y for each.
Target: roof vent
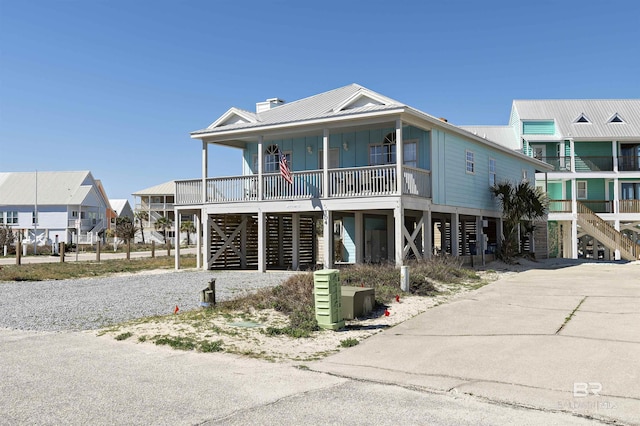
(616, 119)
(268, 104)
(582, 119)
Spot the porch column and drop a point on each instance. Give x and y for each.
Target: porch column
(176, 233)
(455, 234)
(566, 240)
(427, 235)
(325, 163)
(572, 152)
(260, 167)
(398, 214)
(616, 225)
(616, 196)
(205, 166)
(198, 240)
(614, 150)
(399, 162)
(574, 199)
(480, 241)
(295, 231)
(327, 235)
(359, 225)
(206, 236)
(574, 238)
(464, 238)
(262, 252)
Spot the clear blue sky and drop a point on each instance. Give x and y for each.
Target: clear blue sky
(116, 86)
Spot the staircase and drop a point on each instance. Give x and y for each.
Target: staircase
(607, 234)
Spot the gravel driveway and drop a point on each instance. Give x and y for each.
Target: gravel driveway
(92, 303)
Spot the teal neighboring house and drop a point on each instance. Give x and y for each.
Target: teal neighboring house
(371, 180)
(593, 146)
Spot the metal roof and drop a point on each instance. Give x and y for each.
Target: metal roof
(598, 111)
(54, 188)
(167, 188)
(314, 107)
(119, 205)
(503, 135)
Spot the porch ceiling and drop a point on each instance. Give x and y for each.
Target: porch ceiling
(237, 138)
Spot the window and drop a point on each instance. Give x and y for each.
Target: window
(1, 218)
(386, 152)
(471, 165)
(12, 218)
(272, 159)
(34, 218)
(630, 191)
(525, 175)
(492, 171)
(582, 189)
(334, 158)
(410, 154)
(74, 214)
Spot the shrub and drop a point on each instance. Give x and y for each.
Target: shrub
(347, 343)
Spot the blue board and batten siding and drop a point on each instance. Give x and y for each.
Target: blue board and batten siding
(353, 148)
(454, 186)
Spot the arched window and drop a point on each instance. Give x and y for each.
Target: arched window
(272, 159)
(385, 153)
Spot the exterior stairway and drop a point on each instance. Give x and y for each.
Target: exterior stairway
(607, 234)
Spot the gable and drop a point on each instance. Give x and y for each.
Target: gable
(362, 99)
(234, 116)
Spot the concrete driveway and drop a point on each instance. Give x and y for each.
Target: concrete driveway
(558, 340)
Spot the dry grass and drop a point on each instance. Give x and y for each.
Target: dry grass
(67, 270)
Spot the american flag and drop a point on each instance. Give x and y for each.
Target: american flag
(285, 172)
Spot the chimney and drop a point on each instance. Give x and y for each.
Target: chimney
(268, 104)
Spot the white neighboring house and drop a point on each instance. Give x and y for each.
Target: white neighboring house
(46, 205)
(159, 201)
(122, 208)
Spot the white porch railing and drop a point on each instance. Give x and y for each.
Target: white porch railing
(346, 182)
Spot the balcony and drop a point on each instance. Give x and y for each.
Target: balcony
(596, 206)
(343, 183)
(584, 163)
(629, 163)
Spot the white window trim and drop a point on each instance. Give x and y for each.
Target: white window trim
(586, 193)
(493, 173)
(467, 162)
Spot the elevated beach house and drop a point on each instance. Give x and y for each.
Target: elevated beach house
(593, 146)
(347, 176)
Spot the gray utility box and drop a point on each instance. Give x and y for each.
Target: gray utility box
(357, 301)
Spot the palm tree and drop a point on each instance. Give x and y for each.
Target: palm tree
(141, 216)
(188, 227)
(521, 204)
(162, 224)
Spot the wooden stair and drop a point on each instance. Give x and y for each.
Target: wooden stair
(607, 234)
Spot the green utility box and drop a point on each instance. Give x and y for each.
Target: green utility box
(326, 291)
(357, 302)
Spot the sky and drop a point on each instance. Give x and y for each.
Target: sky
(116, 87)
